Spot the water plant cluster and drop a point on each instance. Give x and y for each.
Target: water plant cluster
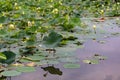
(38, 32)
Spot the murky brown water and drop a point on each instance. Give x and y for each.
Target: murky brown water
(105, 70)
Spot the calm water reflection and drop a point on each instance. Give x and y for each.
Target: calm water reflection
(105, 70)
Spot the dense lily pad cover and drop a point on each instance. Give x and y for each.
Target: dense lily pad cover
(38, 32)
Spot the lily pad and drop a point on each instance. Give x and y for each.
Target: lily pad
(25, 69)
(2, 56)
(53, 62)
(11, 73)
(101, 42)
(52, 40)
(25, 60)
(100, 57)
(69, 59)
(71, 65)
(62, 54)
(10, 57)
(34, 58)
(92, 61)
(3, 19)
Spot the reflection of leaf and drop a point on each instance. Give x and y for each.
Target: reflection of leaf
(52, 40)
(11, 73)
(52, 70)
(10, 57)
(71, 65)
(25, 69)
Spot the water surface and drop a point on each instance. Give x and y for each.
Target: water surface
(105, 70)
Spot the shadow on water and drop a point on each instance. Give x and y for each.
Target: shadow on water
(51, 70)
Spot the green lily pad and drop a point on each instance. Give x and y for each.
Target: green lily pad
(3, 19)
(86, 61)
(71, 65)
(11, 73)
(52, 40)
(50, 61)
(101, 42)
(25, 69)
(62, 54)
(25, 60)
(41, 63)
(91, 61)
(37, 57)
(100, 57)
(69, 59)
(65, 50)
(2, 56)
(10, 57)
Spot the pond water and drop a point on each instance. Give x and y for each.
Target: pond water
(107, 43)
(105, 70)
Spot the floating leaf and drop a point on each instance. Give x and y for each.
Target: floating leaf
(25, 69)
(41, 63)
(101, 42)
(70, 38)
(71, 65)
(2, 56)
(17, 64)
(31, 64)
(52, 40)
(86, 61)
(25, 60)
(10, 57)
(34, 58)
(69, 59)
(3, 19)
(11, 73)
(63, 54)
(51, 61)
(100, 57)
(91, 61)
